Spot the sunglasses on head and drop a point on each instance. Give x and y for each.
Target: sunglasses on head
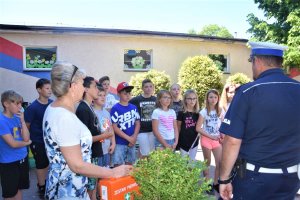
(73, 74)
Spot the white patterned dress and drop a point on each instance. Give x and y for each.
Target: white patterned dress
(62, 128)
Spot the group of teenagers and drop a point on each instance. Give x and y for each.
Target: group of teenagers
(87, 133)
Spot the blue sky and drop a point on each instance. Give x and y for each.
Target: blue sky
(155, 15)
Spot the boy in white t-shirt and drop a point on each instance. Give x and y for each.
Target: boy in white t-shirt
(108, 144)
(110, 99)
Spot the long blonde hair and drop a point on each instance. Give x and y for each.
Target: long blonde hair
(185, 95)
(224, 102)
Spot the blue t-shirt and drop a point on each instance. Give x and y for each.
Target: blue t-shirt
(125, 117)
(10, 126)
(34, 115)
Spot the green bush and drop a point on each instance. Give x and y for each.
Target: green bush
(238, 78)
(165, 175)
(160, 80)
(201, 74)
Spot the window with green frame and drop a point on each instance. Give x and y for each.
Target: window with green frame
(39, 58)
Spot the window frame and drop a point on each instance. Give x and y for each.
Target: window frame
(39, 48)
(227, 57)
(127, 65)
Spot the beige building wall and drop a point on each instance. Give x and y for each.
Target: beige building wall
(297, 78)
(23, 84)
(103, 54)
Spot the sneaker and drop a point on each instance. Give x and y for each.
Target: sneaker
(41, 190)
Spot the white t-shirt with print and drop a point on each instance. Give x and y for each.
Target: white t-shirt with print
(165, 122)
(212, 121)
(62, 128)
(110, 101)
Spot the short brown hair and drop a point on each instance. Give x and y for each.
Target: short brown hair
(146, 81)
(103, 78)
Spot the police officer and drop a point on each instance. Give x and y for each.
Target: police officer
(262, 131)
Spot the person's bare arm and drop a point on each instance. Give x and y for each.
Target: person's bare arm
(104, 135)
(231, 148)
(72, 155)
(200, 130)
(120, 133)
(24, 130)
(176, 133)
(157, 133)
(112, 143)
(10, 140)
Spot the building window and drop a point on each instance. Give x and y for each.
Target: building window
(39, 58)
(221, 61)
(137, 60)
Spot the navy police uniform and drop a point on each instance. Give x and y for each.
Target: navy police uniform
(265, 115)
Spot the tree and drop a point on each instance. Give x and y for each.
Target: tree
(281, 26)
(160, 80)
(201, 74)
(292, 56)
(192, 31)
(216, 31)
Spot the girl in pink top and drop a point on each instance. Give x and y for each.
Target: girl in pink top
(164, 121)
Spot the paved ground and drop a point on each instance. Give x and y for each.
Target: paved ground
(31, 193)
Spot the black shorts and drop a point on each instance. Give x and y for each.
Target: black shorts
(39, 154)
(14, 177)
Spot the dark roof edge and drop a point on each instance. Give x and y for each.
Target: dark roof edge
(60, 29)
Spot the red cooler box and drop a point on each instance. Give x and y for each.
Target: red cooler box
(118, 188)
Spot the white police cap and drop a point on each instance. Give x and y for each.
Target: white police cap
(266, 49)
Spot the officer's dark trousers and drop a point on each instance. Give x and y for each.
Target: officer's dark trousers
(263, 186)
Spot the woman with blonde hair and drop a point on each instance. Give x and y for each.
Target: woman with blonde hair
(68, 141)
(227, 95)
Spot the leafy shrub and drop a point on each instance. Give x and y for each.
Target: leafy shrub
(201, 74)
(165, 175)
(160, 80)
(238, 78)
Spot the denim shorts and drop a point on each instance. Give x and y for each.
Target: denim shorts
(104, 161)
(159, 145)
(124, 154)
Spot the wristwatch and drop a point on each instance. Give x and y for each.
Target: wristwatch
(225, 181)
